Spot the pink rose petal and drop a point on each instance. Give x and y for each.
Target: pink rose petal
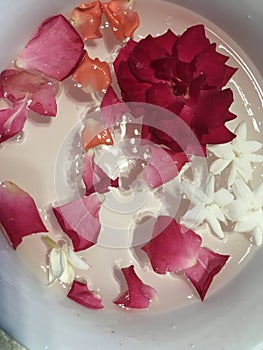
(173, 248)
(55, 50)
(12, 120)
(80, 293)
(95, 179)
(191, 43)
(19, 215)
(38, 90)
(79, 219)
(163, 166)
(138, 295)
(203, 272)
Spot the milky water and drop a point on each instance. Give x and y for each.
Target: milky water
(46, 160)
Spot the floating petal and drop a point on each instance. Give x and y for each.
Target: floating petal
(138, 295)
(201, 275)
(86, 19)
(19, 215)
(173, 247)
(92, 75)
(81, 294)
(79, 219)
(55, 50)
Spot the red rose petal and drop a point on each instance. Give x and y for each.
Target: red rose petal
(79, 219)
(95, 179)
(12, 120)
(94, 135)
(191, 43)
(138, 295)
(145, 51)
(173, 248)
(163, 166)
(32, 86)
(124, 53)
(211, 64)
(202, 274)
(114, 114)
(167, 41)
(86, 19)
(19, 215)
(122, 18)
(55, 50)
(92, 74)
(80, 293)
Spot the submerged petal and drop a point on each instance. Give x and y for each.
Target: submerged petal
(138, 295)
(95, 134)
(81, 294)
(19, 215)
(208, 265)
(55, 50)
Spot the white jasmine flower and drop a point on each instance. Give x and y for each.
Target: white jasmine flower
(62, 262)
(238, 154)
(246, 210)
(207, 205)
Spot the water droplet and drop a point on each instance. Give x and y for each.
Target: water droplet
(132, 141)
(135, 149)
(173, 326)
(249, 16)
(192, 346)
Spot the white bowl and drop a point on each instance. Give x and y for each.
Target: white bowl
(229, 319)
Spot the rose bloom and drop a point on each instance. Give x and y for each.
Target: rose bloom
(184, 74)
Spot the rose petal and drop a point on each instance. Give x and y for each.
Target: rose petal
(86, 19)
(173, 247)
(138, 295)
(92, 74)
(94, 135)
(80, 293)
(167, 41)
(95, 179)
(122, 18)
(124, 54)
(19, 215)
(79, 219)
(112, 108)
(191, 43)
(163, 166)
(38, 90)
(202, 274)
(211, 64)
(12, 120)
(55, 50)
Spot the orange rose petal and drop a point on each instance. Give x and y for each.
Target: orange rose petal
(92, 128)
(86, 19)
(122, 17)
(92, 74)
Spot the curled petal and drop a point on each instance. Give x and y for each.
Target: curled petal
(57, 264)
(258, 235)
(122, 18)
(95, 179)
(79, 219)
(138, 295)
(208, 265)
(55, 50)
(12, 120)
(19, 215)
(163, 166)
(191, 43)
(94, 135)
(173, 247)
(74, 259)
(92, 75)
(38, 90)
(81, 294)
(86, 19)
